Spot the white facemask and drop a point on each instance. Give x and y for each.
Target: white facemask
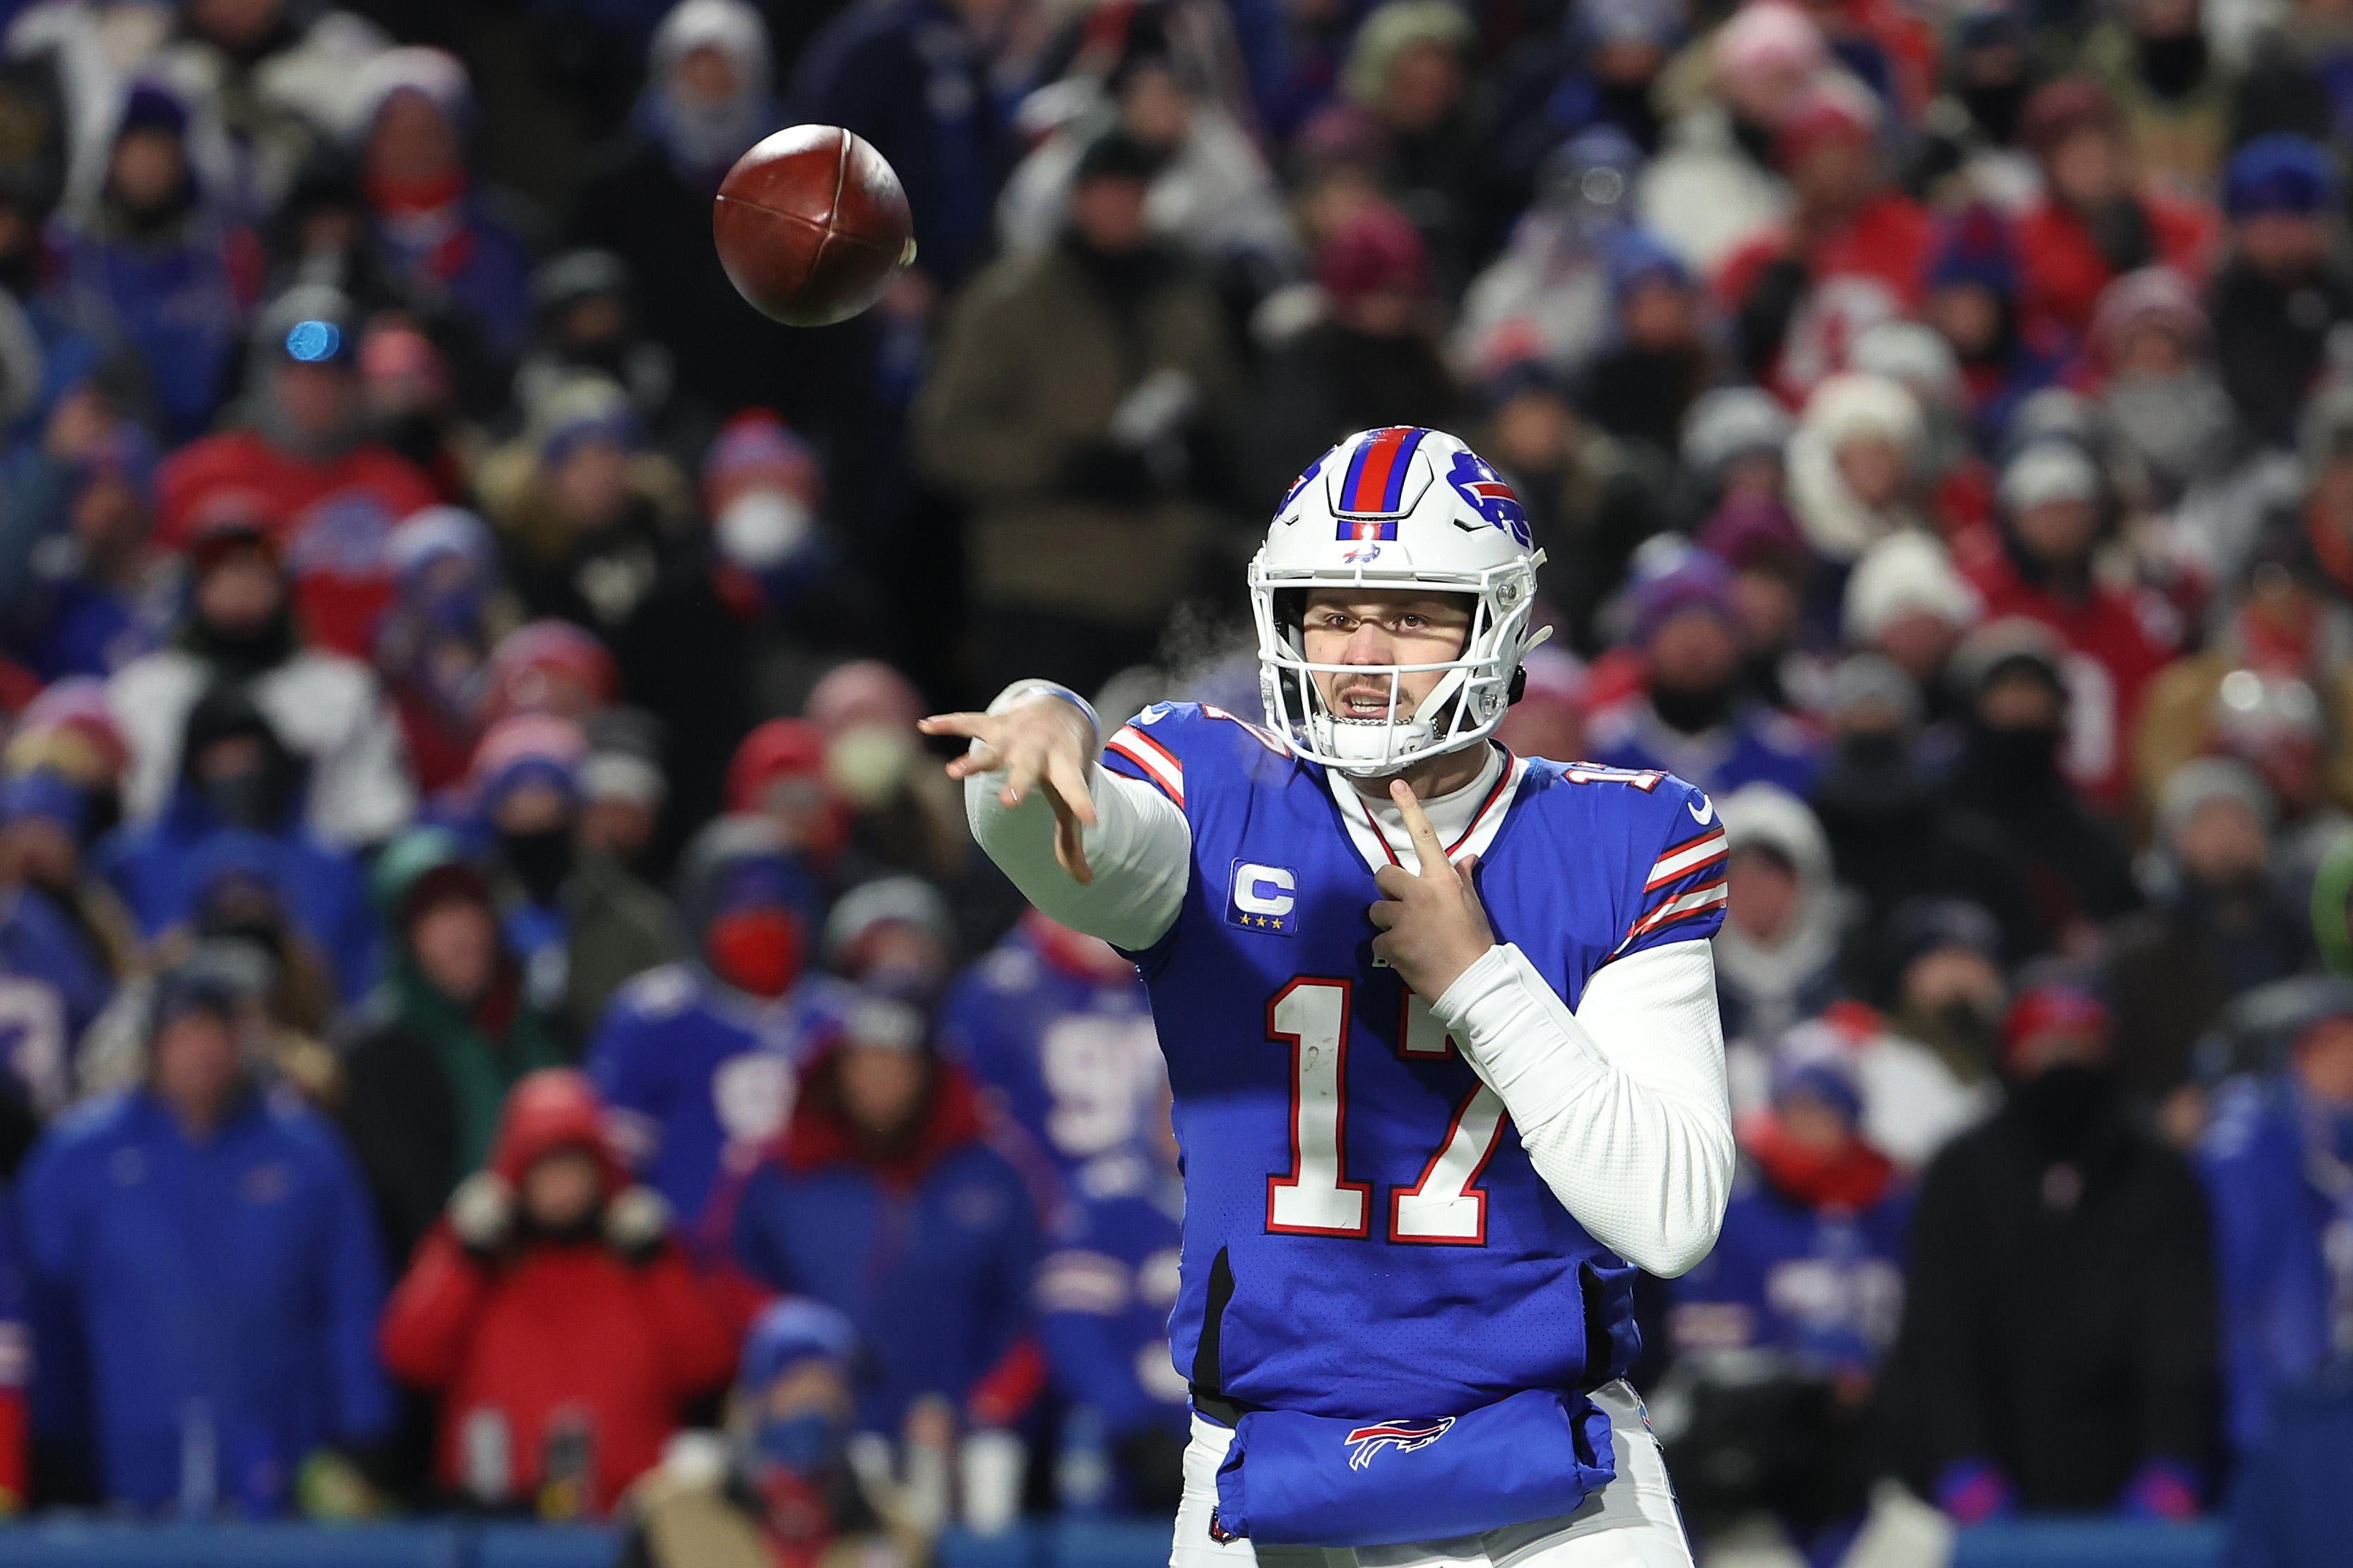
(760, 529)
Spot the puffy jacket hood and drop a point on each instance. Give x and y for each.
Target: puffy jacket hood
(821, 1134)
(554, 1108)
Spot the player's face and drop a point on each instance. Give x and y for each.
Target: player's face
(1378, 628)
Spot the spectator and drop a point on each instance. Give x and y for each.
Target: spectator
(1714, 185)
(2281, 290)
(1055, 1027)
(896, 936)
(2158, 388)
(66, 942)
(1691, 719)
(1103, 1294)
(784, 1485)
(648, 199)
(279, 1391)
(2007, 772)
(89, 591)
(1086, 515)
(586, 319)
(1906, 601)
(1808, 1280)
(1944, 983)
(581, 925)
(158, 263)
(298, 466)
(622, 785)
(1734, 441)
(1590, 502)
(447, 1034)
(2217, 931)
(238, 805)
(2096, 221)
(2157, 59)
(2274, 1140)
(1851, 251)
(551, 1313)
(440, 240)
(916, 78)
(2054, 506)
(2059, 1340)
(2006, 352)
(885, 1200)
(433, 648)
(1771, 572)
(1776, 958)
(1408, 71)
(903, 815)
(326, 710)
(1373, 360)
(1640, 387)
(1548, 294)
(700, 1060)
(1855, 464)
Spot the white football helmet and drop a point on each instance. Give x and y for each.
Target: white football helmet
(1395, 507)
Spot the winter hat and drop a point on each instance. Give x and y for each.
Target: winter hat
(2279, 174)
(152, 105)
(1976, 246)
(1920, 926)
(1732, 422)
(2000, 647)
(887, 900)
(528, 749)
(742, 861)
(426, 539)
(44, 794)
(1754, 532)
(2057, 1005)
(1593, 173)
(579, 410)
(210, 982)
(1871, 681)
(1376, 251)
(1766, 816)
(2060, 109)
(435, 75)
(1766, 39)
(1658, 22)
(1833, 107)
(1822, 1077)
(780, 747)
(860, 692)
(1698, 582)
(791, 1331)
(624, 759)
(757, 450)
(1637, 257)
(730, 26)
(1392, 29)
(1914, 356)
(2153, 295)
(533, 665)
(2049, 471)
(1856, 406)
(1905, 573)
(311, 323)
(70, 728)
(2197, 785)
(576, 276)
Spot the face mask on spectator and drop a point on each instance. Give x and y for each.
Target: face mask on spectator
(541, 860)
(763, 530)
(756, 951)
(249, 799)
(2060, 1106)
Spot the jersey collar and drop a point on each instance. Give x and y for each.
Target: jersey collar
(1468, 818)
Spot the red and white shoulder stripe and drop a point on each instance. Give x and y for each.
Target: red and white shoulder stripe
(1685, 906)
(1690, 856)
(1155, 761)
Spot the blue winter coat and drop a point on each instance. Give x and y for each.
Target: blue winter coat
(203, 1313)
(931, 1256)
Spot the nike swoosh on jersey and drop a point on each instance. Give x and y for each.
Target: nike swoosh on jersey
(1703, 813)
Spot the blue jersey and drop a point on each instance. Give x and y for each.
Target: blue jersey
(699, 1076)
(1105, 1289)
(1067, 1053)
(1363, 1235)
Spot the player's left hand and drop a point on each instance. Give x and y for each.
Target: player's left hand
(1432, 924)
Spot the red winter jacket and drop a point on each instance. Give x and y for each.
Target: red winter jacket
(2062, 271)
(333, 520)
(553, 1333)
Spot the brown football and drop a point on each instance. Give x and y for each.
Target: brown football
(811, 225)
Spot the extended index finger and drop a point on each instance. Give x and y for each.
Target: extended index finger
(1426, 846)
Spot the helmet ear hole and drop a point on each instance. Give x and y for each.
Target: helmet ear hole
(1519, 687)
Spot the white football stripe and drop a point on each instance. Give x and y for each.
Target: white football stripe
(1688, 858)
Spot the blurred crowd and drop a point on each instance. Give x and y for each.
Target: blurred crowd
(498, 1008)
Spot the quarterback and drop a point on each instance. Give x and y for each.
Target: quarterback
(1440, 1023)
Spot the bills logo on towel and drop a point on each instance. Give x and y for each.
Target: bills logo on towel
(1405, 1437)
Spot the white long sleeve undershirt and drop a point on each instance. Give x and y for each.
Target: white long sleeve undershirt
(1621, 1106)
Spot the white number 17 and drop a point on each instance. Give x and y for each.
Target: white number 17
(1445, 1207)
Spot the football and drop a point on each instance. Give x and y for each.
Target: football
(812, 225)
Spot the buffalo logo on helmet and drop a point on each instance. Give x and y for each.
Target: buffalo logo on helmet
(1483, 489)
(1405, 1437)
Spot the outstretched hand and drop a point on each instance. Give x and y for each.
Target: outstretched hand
(1045, 744)
(1432, 925)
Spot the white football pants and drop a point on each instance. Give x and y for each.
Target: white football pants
(1631, 1524)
